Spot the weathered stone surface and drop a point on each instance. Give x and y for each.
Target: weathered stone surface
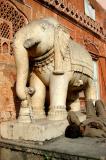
(40, 130)
(59, 149)
(7, 102)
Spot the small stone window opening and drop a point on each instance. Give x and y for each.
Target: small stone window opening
(5, 47)
(89, 10)
(4, 30)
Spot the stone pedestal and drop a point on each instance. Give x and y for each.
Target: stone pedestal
(40, 130)
(59, 113)
(25, 114)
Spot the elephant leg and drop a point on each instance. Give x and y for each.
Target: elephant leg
(90, 91)
(73, 101)
(38, 98)
(58, 94)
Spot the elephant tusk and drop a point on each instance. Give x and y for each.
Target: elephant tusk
(30, 43)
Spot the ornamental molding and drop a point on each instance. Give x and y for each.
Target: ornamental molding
(71, 13)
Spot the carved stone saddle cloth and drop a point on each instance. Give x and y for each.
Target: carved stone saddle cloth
(81, 60)
(76, 58)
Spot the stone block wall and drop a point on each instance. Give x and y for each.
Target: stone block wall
(16, 13)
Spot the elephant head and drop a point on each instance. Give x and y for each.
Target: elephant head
(35, 39)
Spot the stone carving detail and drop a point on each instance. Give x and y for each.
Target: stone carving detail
(59, 63)
(9, 12)
(71, 12)
(11, 20)
(4, 30)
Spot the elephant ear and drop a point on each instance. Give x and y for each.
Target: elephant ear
(61, 43)
(63, 37)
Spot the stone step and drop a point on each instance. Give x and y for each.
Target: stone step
(57, 149)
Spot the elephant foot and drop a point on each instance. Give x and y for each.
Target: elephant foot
(24, 115)
(24, 119)
(37, 114)
(59, 113)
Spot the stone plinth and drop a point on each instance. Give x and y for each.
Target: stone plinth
(40, 130)
(59, 149)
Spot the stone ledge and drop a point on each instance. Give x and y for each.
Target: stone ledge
(40, 130)
(58, 149)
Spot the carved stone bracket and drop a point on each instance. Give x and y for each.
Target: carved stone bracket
(72, 13)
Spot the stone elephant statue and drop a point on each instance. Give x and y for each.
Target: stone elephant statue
(46, 56)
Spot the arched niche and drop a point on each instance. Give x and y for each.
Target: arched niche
(5, 47)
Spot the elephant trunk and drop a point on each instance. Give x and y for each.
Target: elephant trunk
(22, 66)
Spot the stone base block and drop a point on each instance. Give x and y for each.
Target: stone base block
(40, 130)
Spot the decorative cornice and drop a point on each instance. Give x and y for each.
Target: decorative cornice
(72, 13)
